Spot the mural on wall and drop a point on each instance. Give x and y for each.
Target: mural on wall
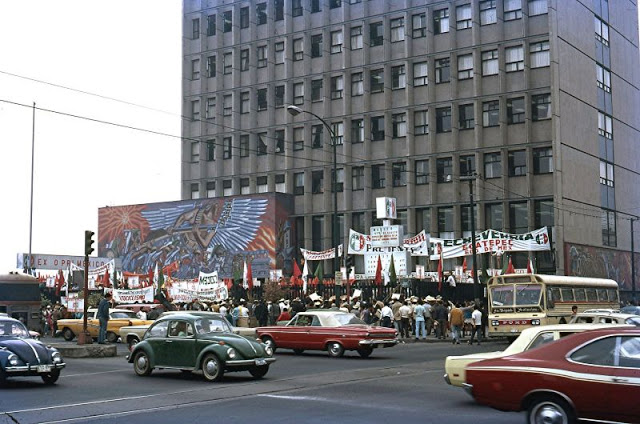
(590, 261)
(199, 235)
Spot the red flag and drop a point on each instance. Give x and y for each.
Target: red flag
(150, 275)
(105, 279)
(464, 264)
(172, 267)
(378, 279)
(510, 268)
(296, 270)
(59, 282)
(529, 266)
(249, 276)
(440, 276)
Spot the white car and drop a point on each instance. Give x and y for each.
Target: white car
(594, 316)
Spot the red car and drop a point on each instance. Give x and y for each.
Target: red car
(593, 375)
(333, 331)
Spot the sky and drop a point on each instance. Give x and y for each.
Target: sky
(123, 52)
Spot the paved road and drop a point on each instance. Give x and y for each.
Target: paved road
(401, 382)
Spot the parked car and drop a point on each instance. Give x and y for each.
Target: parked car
(593, 375)
(530, 338)
(190, 342)
(631, 309)
(594, 316)
(118, 318)
(133, 334)
(333, 331)
(21, 355)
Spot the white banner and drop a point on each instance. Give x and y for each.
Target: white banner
(144, 295)
(490, 241)
(400, 260)
(361, 244)
(310, 255)
(208, 280)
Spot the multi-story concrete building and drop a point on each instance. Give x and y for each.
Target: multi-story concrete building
(538, 97)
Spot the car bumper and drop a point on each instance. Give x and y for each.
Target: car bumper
(446, 378)
(468, 388)
(378, 342)
(22, 370)
(248, 362)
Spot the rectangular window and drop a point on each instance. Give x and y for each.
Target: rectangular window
(420, 74)
(515, 110)
(262, 99)
(298, 53)
(244, 186)
(606, 173)
(419, 25)
(261, 13)
(603, 78)
(211, 150)
(334, 4)
(602, 31)
(377, 128)
(518, 163)
(443, 119)
(543, 213)
(210, 112)
(227, 187)
(444, 170)
(420, 122)
(279, 136)
(298, 138)
(357, 130)
(514, 59)
(317, 182)
(338, 133)
(357, 84)
(541, 107)
(440, 21)
(227, 63)
(316, 136)
(491, 114)
(490, 62)
(316, 45)
(261, 144)
(244, 60)
(356, 38)
(227, 21)
(542, 160)
(492, 165)
(195, 28)
(357, 178)
(442, 70)
(279, 52)
(605, 126)
(226, 148)
(422, 172)
(445, 222)
(512, 10)
(244, 102)
(399, 123)
(493, 216)
(463, 17)
(211, 25)
(280, 183)
(377, 176)
(279, 96)
(538, 7)
(398, 77)
(336, 42)
(337, 87)
(315, 6)
(399, 174)
(518, 217)
(298, 93)
(278, 6)
(316, 90)
(465, 66)
(195, 69)
(211, 189)
(195, 110)
(339, 183)
(244, 17)
(298, 183)
(211, 66)
(397, 30)
(296, 8)
(609, 237)
(539, 54)
(466, 120)
(262, 56)
(195, 191)
(488, 13)
(467, 165)
(244, 146)
(227, 105)
(376, 81)
(376, 34)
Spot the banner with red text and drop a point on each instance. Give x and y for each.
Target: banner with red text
(361, 244)
(144, 295)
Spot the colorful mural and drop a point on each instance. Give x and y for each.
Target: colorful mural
(200, 235)
(590, 261)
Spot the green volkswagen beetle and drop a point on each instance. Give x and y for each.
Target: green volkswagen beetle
(190, 343)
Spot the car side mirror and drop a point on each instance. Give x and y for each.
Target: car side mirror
(236, 331)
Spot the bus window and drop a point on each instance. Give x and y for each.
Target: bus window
(567, 295)
(551, 303)
(613, 295)
(502, 295)
(602, 295)
(579, 295)
(528, 294)
(591, 295)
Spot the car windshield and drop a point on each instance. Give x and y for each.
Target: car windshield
(123, 314)
(13, 329)
(348, 319)
(212, 325)
(528, 294)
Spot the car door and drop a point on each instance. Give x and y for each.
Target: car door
(317, 334)
(626, 379)
(179, 345)
(155, 336)
(294, 333)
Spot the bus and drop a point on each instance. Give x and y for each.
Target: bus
(20, 298)
(519, 301)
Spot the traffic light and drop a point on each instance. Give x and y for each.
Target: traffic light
(88, 241)
(349, 262)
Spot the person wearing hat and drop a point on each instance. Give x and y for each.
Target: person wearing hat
(439, 314)
(103, 317)
(428, 318)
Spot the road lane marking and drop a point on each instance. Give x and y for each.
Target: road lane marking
(333, 402)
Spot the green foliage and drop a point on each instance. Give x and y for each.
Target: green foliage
(272, 291)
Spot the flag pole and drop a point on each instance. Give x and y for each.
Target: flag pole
(33, 142)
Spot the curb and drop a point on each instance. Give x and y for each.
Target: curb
(85, 351)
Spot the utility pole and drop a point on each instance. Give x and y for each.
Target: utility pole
(476, 280)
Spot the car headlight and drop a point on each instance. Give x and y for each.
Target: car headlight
(231, 353)
(268, 350)
(13, 359)
(56, 357)
(495, 323)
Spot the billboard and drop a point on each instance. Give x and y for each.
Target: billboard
(200, 235)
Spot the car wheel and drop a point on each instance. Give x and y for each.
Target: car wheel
(298, 351)
(259, 372)
(269, 342)
(335, 349)
(132, 342)
(141, 364)
(67, 334)
(112, 337)
(51, 378)
(365, 352)
(550, 409)
(212, 368)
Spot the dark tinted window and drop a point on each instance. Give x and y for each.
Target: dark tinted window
(598, 352)
(542, 339)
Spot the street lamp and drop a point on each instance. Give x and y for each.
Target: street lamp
(294, 111)
(476, 286)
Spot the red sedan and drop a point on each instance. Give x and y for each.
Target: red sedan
(594, 375)
(333, 331)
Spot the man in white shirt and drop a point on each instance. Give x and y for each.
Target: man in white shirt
(405, 314)
(386, 316)
(470, 280)
(451, 281)
(141, 314)
(476, 316)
